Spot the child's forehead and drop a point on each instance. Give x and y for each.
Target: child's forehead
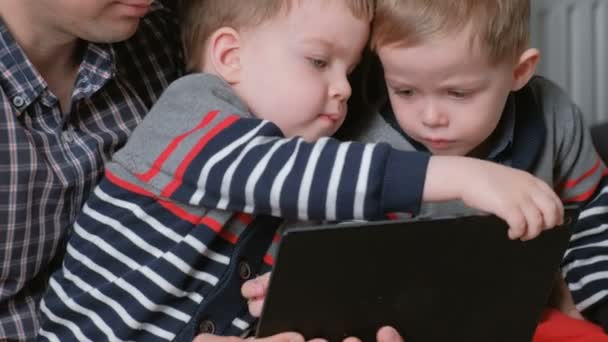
(501, 31)
(361, 9)
(445, 59)
(464, 43)
(322, 22)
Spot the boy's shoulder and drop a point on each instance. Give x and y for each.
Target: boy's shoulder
(192, 106)
(194, 94)
(542, 96)
(547, 101)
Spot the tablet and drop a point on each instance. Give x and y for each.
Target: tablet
(456, 279)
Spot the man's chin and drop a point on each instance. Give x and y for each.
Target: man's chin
(118, 34)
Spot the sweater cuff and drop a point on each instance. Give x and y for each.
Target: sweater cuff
(404, 181)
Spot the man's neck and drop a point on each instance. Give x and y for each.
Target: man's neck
(54, 54)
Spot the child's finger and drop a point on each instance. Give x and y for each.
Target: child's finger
(550, 205)
(388, 334)
(352, 339)
(255, 307)
(284, 337)
(534, 222)
(517, 224)
(256, 287)
(252, 289)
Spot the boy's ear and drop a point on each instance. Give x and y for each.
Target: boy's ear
(224, 54)
(525, 68)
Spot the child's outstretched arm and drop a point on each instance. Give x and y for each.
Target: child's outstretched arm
(525, 202)
(210, 152)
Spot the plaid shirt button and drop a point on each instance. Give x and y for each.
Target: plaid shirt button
(67, 136)
(18, 101)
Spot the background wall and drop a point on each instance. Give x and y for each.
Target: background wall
(573, 38)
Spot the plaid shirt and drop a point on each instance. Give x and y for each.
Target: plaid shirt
(50, 161)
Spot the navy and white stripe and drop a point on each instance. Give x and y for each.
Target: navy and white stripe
(585, 265)
(134, 269)
(234, 162)
(168, 217)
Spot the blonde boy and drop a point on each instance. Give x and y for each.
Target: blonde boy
(173, 229)
(459, 76)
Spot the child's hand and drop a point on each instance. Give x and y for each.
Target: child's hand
(525, 202)
(254, 291)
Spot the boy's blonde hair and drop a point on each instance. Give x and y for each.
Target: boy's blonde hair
(501, 27)
(200, 18)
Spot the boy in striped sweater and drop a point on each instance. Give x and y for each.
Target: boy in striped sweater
(178, 223)
(459, 80)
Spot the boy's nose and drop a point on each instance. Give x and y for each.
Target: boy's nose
(432, 116)
(340, 89)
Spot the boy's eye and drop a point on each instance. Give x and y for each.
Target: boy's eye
(318, 63)
(404, 92)
(458, 94)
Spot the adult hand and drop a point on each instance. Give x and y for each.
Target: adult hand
(385, 334)
(284, 337)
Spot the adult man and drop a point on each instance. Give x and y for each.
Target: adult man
(76, 76)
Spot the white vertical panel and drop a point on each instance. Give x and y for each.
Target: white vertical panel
(601, 62)
(552, 24)
(582, 49)
(572, 36)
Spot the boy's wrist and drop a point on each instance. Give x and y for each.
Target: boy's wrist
(443, 178)
(404, 178)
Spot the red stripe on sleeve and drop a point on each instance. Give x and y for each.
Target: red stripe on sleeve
(268, 259)
(276, 238)
(158, 163)
(126, 185)
(173, 208)
(582, 197)
(392, 216)
(574, 182)
(244, 218)
(228, 236)
(181, 170)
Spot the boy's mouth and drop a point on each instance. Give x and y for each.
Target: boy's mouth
(438, 144)
(332, 117)
(135, 8)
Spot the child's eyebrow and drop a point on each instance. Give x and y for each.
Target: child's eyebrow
(318, 41)
(394, 82)
(329, 45)
(471, 82)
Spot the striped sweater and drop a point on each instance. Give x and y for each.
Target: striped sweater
(179, 221)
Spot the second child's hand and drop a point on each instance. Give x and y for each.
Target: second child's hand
(525, 202)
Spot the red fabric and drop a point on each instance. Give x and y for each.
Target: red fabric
(557, 327)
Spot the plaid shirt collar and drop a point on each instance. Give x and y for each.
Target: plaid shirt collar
(23, 84)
